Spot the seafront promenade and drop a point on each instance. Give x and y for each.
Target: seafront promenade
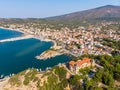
(17, 38)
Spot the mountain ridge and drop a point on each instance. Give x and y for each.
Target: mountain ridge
(108, 11)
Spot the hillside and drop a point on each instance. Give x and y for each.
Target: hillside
(60, 78)
(107, 11)
(72, 20)
(31, 79)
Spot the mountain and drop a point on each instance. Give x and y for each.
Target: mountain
(108, 11)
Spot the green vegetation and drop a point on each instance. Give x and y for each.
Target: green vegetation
(30, 76)
(88, 84)
(111, 43)
(84, 71)
(14, 80)
(61, 72)
(74, 79)
(56, 79)
(104, 78)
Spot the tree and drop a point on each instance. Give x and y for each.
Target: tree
(61, 72)
(98, 75)
(117, 72)
(88, 84)
(75, 82)
(96, 88)
(107, 78)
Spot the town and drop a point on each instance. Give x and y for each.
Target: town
(75, 41)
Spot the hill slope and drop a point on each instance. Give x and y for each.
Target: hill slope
(107, 11)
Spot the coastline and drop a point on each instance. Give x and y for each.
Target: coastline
(27, 35)
(13, 30)
(3, 82)
(49, 54)
(24, 33)
(46, 55)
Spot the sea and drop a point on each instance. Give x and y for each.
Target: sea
(17, 56)
(6, 33)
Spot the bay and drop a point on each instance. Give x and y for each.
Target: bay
(6, 33)
(16, 56)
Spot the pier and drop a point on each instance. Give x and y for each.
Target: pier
(17, 38)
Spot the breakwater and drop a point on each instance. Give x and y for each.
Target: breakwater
(17, 38)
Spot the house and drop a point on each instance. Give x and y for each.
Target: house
(76, 66)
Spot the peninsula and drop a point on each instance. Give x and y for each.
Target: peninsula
(48, 54)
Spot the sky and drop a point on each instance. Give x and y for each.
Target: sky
(47, 8)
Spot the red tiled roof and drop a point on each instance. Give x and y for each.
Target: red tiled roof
(80, 62)
(85, 60)
(72, 63)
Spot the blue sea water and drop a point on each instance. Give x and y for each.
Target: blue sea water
(5, 34)
(17, 56)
